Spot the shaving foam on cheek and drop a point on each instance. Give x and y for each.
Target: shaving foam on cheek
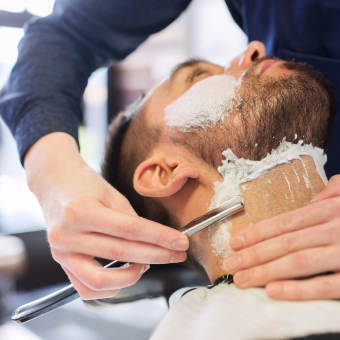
(236, 171)
(205, 103)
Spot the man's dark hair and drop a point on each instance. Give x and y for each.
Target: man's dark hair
(300, 106)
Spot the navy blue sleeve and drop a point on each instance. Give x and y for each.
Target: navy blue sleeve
(58, 54)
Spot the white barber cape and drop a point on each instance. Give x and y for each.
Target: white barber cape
(227, 312)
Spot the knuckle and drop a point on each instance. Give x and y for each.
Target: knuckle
(158, 258)
(288, 242)
(54, 236)
(300, 261)
(70, 211)
(61, 238)
(160, 238)
(56, 255)
(128, 231)
(253, 236)
(253, 255)
(122, 203)
(96, 282)
(75, 210)
(284, 222)
(117, 252)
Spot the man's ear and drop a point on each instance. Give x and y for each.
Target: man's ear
(159, 177)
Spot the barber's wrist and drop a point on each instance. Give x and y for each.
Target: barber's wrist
(49, 155)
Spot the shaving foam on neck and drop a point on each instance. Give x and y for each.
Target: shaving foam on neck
(205, 103)
(236, 171)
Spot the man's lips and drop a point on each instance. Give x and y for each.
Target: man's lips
(267, 64)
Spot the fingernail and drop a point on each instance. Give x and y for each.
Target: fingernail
(242, 277)
(180, 244)
(274, 289)
(314, 200)
(145, 267)
(178, 257)
(232, 262)
(237, 242)
(318, 197)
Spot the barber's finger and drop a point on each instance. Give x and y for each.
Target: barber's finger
(113, 248)
(91, 274)
(135, 228)
(300, 264)
(282, 245)
(318, 288)
(331, 190)
(86, 293)
(298, 219)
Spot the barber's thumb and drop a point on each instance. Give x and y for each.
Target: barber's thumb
(331, 190)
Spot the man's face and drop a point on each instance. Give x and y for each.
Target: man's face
(188, 74)
(252, 65)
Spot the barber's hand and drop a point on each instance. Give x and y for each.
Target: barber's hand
(301, 243)
(87, 218)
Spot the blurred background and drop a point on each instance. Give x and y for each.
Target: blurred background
(27, 270)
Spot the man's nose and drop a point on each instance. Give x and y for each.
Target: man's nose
(255, 50)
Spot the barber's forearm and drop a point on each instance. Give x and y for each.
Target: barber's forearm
(50, 157)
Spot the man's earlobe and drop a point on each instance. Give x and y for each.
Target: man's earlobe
(161, 178)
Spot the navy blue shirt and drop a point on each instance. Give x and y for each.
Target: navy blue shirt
(58, 53)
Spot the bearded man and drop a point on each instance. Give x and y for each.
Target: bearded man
(211, 133)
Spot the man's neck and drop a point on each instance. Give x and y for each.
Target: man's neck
(287, 187)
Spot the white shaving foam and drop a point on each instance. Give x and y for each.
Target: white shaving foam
(307, 181)
(236, 171)
(297, 176)
(205, 103)
(288, 185)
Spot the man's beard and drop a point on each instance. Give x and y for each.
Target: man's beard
(295, 106)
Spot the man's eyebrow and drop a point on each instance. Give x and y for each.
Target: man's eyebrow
(189, 63)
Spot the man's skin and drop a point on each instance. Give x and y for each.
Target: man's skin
(86, 217)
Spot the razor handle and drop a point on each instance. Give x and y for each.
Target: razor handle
(50, 302)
